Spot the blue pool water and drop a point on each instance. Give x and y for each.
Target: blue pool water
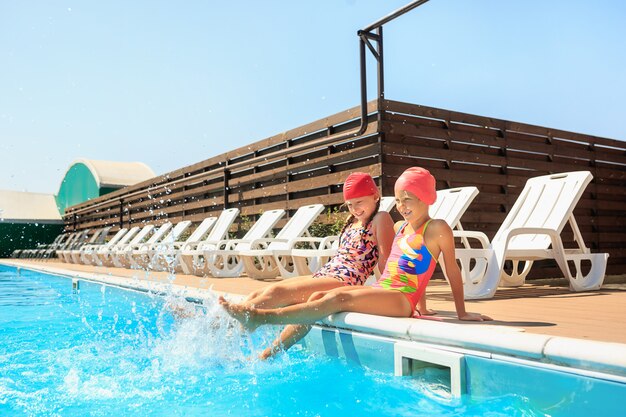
(105, 351)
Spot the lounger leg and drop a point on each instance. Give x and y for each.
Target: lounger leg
(186, 264)
(285, 266)
(225, 266)
(578, 282)
(260, 267)
(515, 278)
(308, 265)
(594, 278)
(200, 268)
(481, 281)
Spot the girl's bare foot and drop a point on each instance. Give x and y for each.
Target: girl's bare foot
(270, 352)
(241, 313)
(428, 312)
(266, 354)
(182, 312)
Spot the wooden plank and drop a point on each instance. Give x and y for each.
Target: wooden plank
(610, 155)
(441, 114)
(442, 134)
(556, 133)
(533, 162)
(327, 200)
(604, 173)
(394, 170)
(394, 118)
(528, 143)
(198, 191)
(610, 190)
(445, 154)
(322, 181)
(332, 159)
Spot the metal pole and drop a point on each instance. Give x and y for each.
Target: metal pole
(402, 10)
(365, 35)
(381, 69)
(363, 87)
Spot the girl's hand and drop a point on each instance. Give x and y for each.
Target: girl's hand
(474, 317)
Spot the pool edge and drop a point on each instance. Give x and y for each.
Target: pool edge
(495, 341)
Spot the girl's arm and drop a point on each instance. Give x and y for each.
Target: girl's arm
(445, 240)
(383, 230)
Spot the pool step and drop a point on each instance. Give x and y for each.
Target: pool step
(409, 358)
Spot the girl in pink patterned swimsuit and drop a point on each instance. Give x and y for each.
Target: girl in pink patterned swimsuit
(364, 242)
(417, 245)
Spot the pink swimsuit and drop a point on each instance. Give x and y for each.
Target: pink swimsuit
(410, 265)
(355, 259)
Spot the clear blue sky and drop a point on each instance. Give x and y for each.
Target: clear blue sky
(173, 83)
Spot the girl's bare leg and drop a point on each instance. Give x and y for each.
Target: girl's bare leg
(290, 335)
(291, 291)
(357, 299)
(423, 310)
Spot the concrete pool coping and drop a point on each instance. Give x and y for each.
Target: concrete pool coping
(491, 338)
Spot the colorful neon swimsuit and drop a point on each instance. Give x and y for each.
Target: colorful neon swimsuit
(355, 259)
(410, 265)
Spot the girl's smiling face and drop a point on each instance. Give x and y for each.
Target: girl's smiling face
(362, 208)
(409, 206)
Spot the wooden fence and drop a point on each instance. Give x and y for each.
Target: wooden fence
(308, 165)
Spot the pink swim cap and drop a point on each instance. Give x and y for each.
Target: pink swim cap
(419, 182)
(359, 184)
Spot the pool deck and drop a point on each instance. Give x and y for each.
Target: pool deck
(544, 307)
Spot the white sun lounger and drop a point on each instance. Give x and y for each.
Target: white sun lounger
(104, 255)
(50, 252)
(130, 255)
(140, 258)
(167, 255)
(224, 261)
(88, 253)
(98, 238)
(532, 231)
(29, 253)
(118, 255)
(64, 255)
(268, 258)
(61, 251)
(191, 258)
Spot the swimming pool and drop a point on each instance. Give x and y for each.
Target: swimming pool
(103, 350)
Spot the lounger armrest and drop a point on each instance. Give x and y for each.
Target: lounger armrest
(190, 246)
(468, 234)
(130, 248)
(85, 248)
(264, 242)
(143, 247)
(89, 248)
(323, 242)
(208, 245)
(229, 244)
(531, 231)
(161, 247)
(177, 245)
(116, 248)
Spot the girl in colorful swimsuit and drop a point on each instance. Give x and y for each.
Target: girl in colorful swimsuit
(416, 247)
(364, 243)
